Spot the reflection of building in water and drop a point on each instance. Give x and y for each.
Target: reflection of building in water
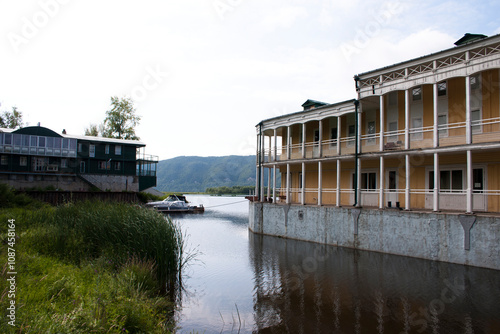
(423, 135)
(302, 287)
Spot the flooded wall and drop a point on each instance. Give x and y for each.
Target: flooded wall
(470, 240)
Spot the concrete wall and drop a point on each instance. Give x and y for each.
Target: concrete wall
(432, 236)
(23, 182)
(113, 182)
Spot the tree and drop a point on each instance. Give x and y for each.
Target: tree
(11, 120)
(121, 119)
(92, 130)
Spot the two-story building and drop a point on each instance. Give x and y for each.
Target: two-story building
(422, 136)
(37, 157)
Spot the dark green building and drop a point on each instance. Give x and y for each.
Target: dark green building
(36, 156)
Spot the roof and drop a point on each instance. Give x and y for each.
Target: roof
(471, 41)
(313, 103)
(321, 109)
(43, 131)
(469, 38)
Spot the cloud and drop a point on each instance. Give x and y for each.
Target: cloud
(283, 17)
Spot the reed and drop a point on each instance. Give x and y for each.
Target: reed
(118, 232)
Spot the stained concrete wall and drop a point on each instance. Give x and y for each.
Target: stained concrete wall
(433, 236)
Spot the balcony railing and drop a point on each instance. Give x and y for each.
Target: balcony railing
(484, 130)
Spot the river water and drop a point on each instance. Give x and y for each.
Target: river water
(241, 282)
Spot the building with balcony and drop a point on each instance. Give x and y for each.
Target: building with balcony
(37, 157)
(422, 137)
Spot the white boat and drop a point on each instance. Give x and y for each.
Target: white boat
(175, 203)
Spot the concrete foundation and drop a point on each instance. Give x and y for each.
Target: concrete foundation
(470, 240)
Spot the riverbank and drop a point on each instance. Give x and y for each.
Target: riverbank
(88, 267)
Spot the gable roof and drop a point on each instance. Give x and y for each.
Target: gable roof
(468, 38)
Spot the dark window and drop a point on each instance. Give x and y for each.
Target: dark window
(417, 94)
(442, 88)
(392, 180)
(477, 180)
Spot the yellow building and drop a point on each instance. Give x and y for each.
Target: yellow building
(423, 134)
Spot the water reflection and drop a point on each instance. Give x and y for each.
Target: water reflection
(301, 287)
(247, 283)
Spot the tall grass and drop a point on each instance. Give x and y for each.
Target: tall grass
(114, 231)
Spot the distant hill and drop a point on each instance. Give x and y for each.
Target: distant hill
(196, 174)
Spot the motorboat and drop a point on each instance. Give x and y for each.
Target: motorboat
(175, 204)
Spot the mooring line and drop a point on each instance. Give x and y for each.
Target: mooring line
(215, 206)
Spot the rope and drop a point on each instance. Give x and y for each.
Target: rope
(215, 206)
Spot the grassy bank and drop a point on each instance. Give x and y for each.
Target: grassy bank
(90, 268)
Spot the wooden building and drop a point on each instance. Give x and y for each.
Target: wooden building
(423, 134)
(37, 157)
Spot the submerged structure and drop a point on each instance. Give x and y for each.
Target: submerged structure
(410, 167)
(38, 157)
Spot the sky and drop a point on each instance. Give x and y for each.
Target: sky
(203, 73)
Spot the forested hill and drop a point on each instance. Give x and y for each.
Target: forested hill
(196, 174)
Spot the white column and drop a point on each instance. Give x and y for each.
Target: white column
(407, 119)
(262, 160)
(269, 176)
(270, 158)
(320, 139)
(303, 190)
(320, 183)
(338, 183)
(381, 184)
(468, 128)
(435, 110)
(304, 140)
(274, 184)
(469, 182)
(288, 144)
(435, 206)
(382, 122)
(275, 144)
(358, 182)
(288, 199)
(339, 131)
(407, 188)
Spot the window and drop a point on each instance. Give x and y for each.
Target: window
(18, 139)
(316, 137)
(8, 139)
(443, 125)
(117, 165)
(442, 87)
(393, 127)
(41, 141)
(371, 131)
(80, 148)
(476, 121)
(333, 137)
(64, 163)
(417, 94)
(477, 180)
(417, 126)
(50, 142)
(393, 98)
(106, 149)
(104, 165)
(65, 144)
(5, 160)
(23, 161)
(92, 151)
(82, 166)
(392, 180)
(368, 181)
(474, 82)
(450, 180)
(118, 150)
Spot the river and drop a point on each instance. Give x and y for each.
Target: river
(241, 282)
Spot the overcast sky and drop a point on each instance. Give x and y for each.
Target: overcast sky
(203, 73)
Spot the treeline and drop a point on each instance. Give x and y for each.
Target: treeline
(235, 190)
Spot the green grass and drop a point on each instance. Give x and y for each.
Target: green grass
(92, 267)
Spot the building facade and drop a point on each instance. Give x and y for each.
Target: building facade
(422, 135)
(37, 157)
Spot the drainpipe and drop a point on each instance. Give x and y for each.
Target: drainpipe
(259, 162)
(356, 134)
